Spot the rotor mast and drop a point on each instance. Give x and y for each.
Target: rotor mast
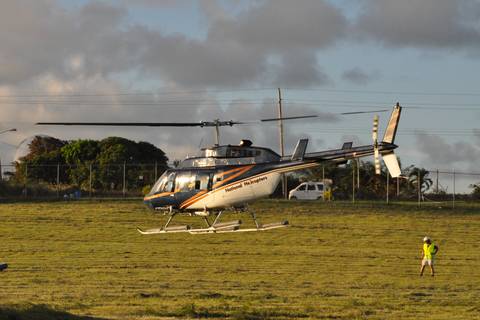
(217, 132)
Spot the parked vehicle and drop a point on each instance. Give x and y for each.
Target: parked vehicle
(312, 190)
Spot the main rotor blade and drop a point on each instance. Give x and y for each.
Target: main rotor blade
(289, 118)
(359, 112)
(125, 124)
(215, 123)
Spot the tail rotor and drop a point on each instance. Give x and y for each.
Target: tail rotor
(376, 153)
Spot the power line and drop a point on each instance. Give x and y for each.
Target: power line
(253, 89)
(388, 92)
(117, 94)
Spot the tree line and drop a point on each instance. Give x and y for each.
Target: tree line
(86, 163)
(114, 162)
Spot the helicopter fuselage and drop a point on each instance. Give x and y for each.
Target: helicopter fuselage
(220, 181)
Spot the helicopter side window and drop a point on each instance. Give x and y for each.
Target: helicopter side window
(184, 182)
(201, 181)
(233, 153)
(218, 177)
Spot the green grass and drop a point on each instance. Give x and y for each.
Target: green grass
(85, 260)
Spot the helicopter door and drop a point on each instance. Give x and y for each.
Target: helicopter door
(170, 183)
(202, 181)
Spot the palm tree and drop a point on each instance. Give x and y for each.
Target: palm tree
(415, 174)
(476, 190)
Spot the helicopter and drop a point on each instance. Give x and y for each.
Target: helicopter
(225, 177)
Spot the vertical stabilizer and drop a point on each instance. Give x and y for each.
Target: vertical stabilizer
(391, 131)
(300, 149)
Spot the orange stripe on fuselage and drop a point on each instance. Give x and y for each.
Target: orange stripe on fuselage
(159, 195)
(233, 176)
(198, 196)
(187, 202)
(297, 167)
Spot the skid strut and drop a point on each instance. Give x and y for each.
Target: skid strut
(215, 226)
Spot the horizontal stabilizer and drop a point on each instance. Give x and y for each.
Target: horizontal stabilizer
(391, 162)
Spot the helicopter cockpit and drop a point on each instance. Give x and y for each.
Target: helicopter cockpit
(242, 154)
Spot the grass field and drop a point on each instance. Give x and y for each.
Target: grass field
(85, 260)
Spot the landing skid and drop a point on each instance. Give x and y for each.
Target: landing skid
(215, 227)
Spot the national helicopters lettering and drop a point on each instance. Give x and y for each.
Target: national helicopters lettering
(226, 176)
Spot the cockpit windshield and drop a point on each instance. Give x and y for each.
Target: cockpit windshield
(165, 183)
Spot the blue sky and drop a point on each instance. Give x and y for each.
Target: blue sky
(327, 56)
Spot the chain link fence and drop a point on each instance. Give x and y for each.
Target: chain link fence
(78, 181)
(91, 180)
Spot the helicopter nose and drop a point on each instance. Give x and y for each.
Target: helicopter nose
(148, 202)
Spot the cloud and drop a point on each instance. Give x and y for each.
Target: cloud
(55, 102)
(284, 25)
(300, 69)
(193, 63)
(421, 24)
(438, 153)
(358, 76)
(38, 37)
(237, 49)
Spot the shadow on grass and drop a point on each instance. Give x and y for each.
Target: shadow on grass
(36, 312)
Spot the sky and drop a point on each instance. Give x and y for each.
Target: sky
(194, 60)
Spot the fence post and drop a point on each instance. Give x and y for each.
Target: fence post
(58, 180)
(353, 182)
(388, 184)
(453, 204)
(323, 181)
(26, 181)
(398, 187)
(358, 173)
(124, 179)
(418, 186)
(90, 182)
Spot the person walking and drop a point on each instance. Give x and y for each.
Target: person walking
(428, 255)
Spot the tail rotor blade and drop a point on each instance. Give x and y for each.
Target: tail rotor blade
(377, 161)
(375, 145)
(375, 129)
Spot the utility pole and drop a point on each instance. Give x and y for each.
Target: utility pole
(282, 146)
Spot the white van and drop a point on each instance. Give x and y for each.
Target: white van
(309, 191)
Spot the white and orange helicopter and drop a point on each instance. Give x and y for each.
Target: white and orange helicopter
(231, 176)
